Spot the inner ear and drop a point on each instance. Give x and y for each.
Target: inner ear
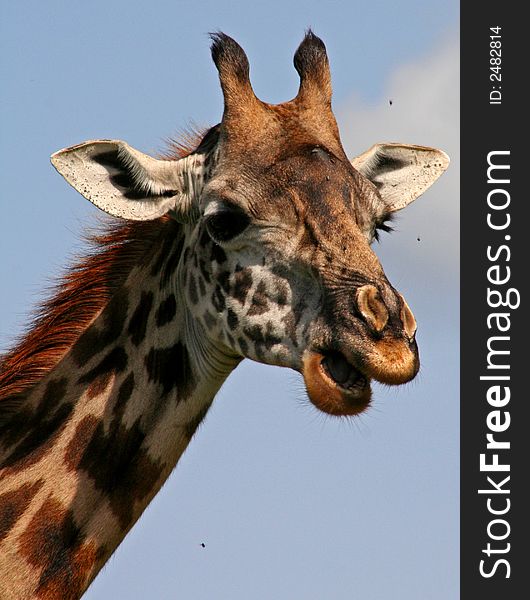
(129, 177)
(127, 183)
(401, 172)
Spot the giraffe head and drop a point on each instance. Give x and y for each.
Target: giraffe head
(276, 263)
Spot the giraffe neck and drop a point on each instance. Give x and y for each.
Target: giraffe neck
(97, 437)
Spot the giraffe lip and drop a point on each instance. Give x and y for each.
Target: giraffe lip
(334, 385)
(343, 373)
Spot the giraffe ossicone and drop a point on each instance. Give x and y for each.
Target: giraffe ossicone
(254, 244)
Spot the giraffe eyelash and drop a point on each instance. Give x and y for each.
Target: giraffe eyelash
(383, 224)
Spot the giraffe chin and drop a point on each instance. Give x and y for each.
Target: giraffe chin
(335, 386)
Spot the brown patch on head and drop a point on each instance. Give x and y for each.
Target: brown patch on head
(14, 503)
(259, 303)
(55, 546)
(242, 282)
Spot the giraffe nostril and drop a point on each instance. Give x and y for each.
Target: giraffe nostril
(372, 307)
(408, 320)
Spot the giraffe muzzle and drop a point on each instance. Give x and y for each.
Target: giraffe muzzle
(338, 380)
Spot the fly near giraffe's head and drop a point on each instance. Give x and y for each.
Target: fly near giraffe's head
(278, 223)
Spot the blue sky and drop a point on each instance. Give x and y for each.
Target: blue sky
(289, 504)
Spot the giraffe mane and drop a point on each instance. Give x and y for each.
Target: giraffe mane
(81, 293)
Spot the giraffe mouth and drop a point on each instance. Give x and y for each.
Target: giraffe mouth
(344, 374)
(334, 384)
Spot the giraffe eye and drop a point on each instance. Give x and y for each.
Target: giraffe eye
(226, 224)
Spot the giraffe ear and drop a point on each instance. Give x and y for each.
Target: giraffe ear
(401, 172)
(126, 183)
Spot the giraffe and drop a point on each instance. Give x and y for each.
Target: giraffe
(255, 243)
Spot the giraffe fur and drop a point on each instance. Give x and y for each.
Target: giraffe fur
(255, 242)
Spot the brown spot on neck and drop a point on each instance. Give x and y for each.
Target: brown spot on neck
(13, 504)
(33, 432)
(118, 463)
(99, 385)
(54, 545)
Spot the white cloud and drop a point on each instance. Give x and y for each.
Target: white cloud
(424, 110)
